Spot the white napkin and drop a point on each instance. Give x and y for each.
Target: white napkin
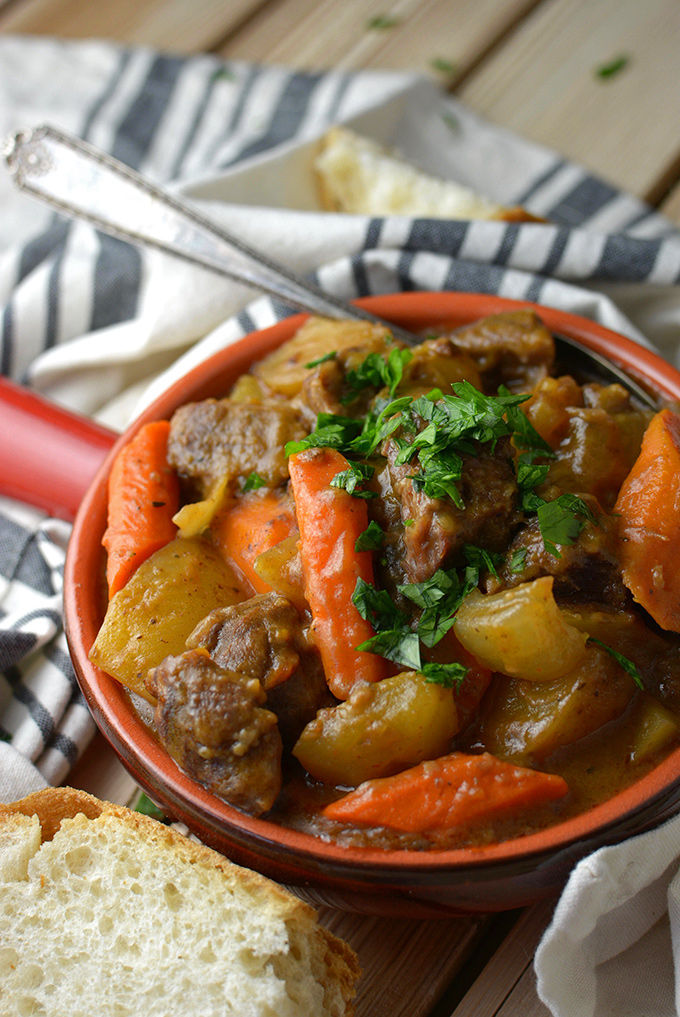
(101, 327)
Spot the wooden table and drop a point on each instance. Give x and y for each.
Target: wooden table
(530, 65)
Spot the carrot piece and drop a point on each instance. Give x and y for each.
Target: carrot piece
(143, 498)
(444, 793)
(257, 522)
(648, 505)
(330, 521)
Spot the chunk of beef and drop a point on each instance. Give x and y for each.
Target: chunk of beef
(437, 528)
(587, 571)
(260, 637)
(513, 348)
(217, 438)
(326, 390)
(263, 638)
(212, 723)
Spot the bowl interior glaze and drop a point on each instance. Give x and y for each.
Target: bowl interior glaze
(493, 877)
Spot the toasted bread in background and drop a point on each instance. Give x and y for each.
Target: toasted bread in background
(356, 175)
(104, 911)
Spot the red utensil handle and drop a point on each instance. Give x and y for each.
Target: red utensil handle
(48, 455)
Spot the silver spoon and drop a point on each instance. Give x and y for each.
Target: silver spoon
(84, 183)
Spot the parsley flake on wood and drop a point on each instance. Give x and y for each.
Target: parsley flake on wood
(613, 67)
(381, 22)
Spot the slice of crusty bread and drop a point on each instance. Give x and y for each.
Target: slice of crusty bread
(356, 175)
(107, 912)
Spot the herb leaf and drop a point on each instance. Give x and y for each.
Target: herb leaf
(518, 560)
(613, 67)
(448, 675)
(372, 539)
(253, 481)
(331, 431)
(323, 359)
(381, 22)
(561, 521)
(356, 473)
(625, 663)
(481, 559)
(377, 371)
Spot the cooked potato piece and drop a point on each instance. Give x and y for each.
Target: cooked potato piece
(285, 369)
(380, 729)
(280, 567)
(154, 613)
(656, 727)
(525, 721)
(521, 632)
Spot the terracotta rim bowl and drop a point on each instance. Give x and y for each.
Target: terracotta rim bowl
(494, 877)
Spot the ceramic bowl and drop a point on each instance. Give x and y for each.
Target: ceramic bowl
(465, 881)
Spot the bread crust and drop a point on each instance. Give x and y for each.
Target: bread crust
(54, 805)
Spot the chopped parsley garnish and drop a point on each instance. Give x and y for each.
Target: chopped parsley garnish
(562, 520)
(372, 539)
(481, 559)
(253, 481)
(323, 360)
(444, 66)
(448, 675)
(377, 371)
(149, 808)
(518, 560)
(613, 67)
(625, 663)
(381, 21)
(331, 431)
(349, 479)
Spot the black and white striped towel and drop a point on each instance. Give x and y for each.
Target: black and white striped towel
(99, 326)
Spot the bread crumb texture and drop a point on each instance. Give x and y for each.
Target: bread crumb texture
(119, 915)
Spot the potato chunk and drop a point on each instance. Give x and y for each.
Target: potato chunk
(382, 728)
(154, 613)
(526, 721)
(521, 632)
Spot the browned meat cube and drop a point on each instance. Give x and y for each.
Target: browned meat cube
(263, 638)
(217, 438)
(260, 637)
(588, 569)
(513, 348)
(213, 724)
(437, 528)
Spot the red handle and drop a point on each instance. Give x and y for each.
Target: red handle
(48, 455)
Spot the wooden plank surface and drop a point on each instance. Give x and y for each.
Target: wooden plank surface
(167, 24)
(319, 34)
(543, 84)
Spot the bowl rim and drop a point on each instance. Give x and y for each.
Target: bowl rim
(155, 770)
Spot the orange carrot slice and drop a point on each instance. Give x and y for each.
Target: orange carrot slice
(143, 497)
(257, 522)
(330, 521)
(649, 508)
(441, 794)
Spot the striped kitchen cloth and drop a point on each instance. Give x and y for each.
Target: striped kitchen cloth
(100, 326)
